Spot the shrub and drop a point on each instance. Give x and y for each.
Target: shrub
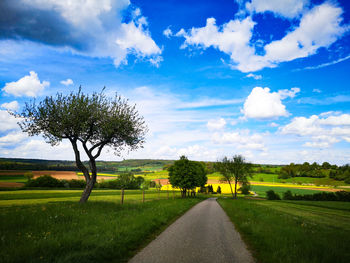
(245, 189)
(74, 183)
(45, 181)
(271, 195)
(261, 179)
(288, 195)
(218, 190)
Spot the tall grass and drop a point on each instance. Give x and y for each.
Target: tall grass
(91, 232)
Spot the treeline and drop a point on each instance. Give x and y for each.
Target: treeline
(323, 196)
(125, 181)
(341, 173)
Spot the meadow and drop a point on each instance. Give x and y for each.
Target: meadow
(59, 230)
(292, 231)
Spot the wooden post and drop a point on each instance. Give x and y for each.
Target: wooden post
(167, 189)
(122, 199)
(173, 194)
(143, 195)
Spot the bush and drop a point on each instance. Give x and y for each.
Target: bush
(271, 195)
(74, 183)
(288, 195)
(45, 181)
(218, 190)
(245, 189)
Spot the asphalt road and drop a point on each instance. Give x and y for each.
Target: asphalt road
(203, 234)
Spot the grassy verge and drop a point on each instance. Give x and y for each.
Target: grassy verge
(92, 232)
(279, 231)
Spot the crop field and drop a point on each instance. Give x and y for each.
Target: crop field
(67, 231)
(293, 231)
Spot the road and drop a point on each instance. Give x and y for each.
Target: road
(203, 234)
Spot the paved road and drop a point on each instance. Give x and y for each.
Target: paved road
(203, 234)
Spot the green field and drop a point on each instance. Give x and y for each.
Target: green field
(28, 197)
(261, 190)
(91, 232)
(293, 231)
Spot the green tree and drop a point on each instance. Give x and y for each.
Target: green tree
(187, 175)
(89, 122)
(235, 170)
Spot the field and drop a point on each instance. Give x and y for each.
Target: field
(293, 231)
(49, 227)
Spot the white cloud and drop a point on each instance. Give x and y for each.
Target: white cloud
(316, 90)
(8, 122)
(168, 33)
(29, 85)
(12, 138)
(285, 93)
(136, 39)
(13, 105)
(285, 8)
(241, 139)
(323, 130)
(263, 104)
(326, 65)
(318, 27)
(274, 124)
(218, 124)
(89, 27)
(67, 82)
(251, 75)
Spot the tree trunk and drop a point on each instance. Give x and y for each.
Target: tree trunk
(229, 182)
(143, 195)
(122, 199)
(87, 191)
(236, 187)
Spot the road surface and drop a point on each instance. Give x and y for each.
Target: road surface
(203, 234)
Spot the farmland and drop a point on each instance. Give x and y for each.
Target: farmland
(302, 231)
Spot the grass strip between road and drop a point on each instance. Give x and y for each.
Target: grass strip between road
(279, 231)
(92, 232)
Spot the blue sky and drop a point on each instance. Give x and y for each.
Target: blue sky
(266, 79)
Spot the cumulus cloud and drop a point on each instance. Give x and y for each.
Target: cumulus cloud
(218, 124)
(285, 8)
(13, 105)
(12, 138)
(318, 27)
(324, 130)
(263, 104)
(65, 23)
(29, 85)
(67, 82)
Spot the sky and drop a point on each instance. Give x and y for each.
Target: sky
(267, 79)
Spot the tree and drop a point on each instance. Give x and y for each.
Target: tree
(187, 175)
(234, 170)
(90, 122)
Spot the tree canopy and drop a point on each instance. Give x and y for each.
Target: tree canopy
(187, 175)
(235, 170)
(90, 122)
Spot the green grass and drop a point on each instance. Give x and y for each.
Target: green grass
(261, 190)
(13, 178)
(92, 232)
(293, 231)
(29, 197)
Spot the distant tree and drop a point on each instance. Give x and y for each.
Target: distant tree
(88, 121)
(326, 165)
(218, 190)
(235, 170)
(187, 175)
(271, 195)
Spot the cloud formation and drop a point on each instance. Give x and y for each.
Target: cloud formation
(29, 85)
(13, 105)
(263, 104)
(319, 27)
(92, 28)
(218, 124)
(67, 82)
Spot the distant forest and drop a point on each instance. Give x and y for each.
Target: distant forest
(102, 166)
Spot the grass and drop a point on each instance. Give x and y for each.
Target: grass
(92, 232)
(261, 190)
(29, 197)
(293, 231)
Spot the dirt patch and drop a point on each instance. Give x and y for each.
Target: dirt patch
(67, 175)
(10, 185)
